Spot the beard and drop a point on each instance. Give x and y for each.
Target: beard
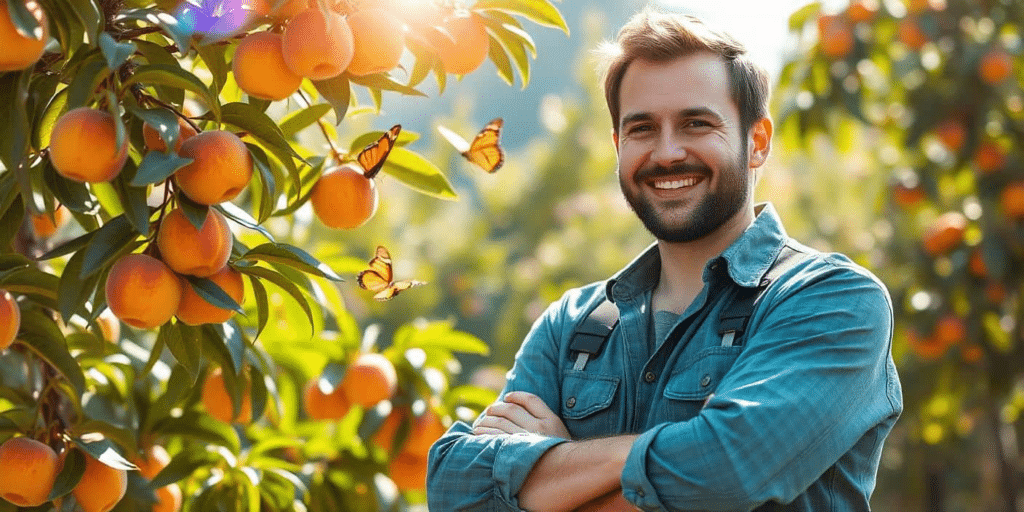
(669, 222)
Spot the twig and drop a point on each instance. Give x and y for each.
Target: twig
(336, 153)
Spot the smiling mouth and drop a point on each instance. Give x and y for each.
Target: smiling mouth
(674, 184)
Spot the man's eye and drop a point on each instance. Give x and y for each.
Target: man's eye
(639, 128)
(697, 123)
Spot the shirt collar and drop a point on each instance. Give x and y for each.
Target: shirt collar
(747, 259)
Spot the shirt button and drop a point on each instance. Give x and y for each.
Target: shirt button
(640, 492)
(650, 376)
(705, 380)
(571, 402)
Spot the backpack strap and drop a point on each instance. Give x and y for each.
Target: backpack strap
(592, 332)
(732, 322)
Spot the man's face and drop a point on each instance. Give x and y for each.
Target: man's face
(683, 161)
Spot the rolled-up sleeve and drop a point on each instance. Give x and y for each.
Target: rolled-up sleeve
(814, 379)
(469, 472)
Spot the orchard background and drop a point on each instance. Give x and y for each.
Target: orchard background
(900, 128)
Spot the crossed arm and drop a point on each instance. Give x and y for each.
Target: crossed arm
(582, 476)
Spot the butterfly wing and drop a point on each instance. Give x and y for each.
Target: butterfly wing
(456, 140)
(372, 157)
(378, 276)
(395, 288)
(485, 150)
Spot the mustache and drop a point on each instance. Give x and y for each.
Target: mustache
(660, 171)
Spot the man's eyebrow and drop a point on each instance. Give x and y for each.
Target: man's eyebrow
(684, 113)
(633, 118)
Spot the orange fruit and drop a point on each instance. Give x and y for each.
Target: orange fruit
(221, 167)
(909, 32)
(317, 45)
(989, 157)
(976, 265)
(168, 498)
(218, 403)
(110, 326)
(153, 461)
(28, 469)
(323, 406)
(925, 348)
(861, 11)
(101, 486)
(945, 233)
(384, 437)
(836, 36)
(343, 198)
(370, 379)
(44, 226)
(426, 428)
(142, 291)
(195, 310)
(378, 41)
(907, 197)
(952, 134)
(20, 52)
(10, 319)
(83, 146)
(996, 66)
(467, 48)
(950, 330)
(154, 142)
(186, 250)
(260, 70)
(409, 472)
(1012, 200)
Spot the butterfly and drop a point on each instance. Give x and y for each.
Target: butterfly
(378, 278)
(372, 157)
(485, 150)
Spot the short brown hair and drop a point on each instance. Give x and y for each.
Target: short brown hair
(659, 36)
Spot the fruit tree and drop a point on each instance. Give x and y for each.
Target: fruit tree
(145, 146)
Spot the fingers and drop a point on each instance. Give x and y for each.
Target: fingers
(533, 404)
(496, 425)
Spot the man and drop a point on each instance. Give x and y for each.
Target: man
(687, 405)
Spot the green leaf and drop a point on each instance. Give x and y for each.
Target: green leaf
(195, 213)
(262, 305)
(14, 130)
(133, 198)
(267, 198)
(173, 76)
(424, 63)
(181, 466)
(262, 128)
(405, 137)
(211, 292)
(296, 121)
(384, 82)
(157, 166)
(89, 15)
(116, 53)
(293, 257)
(86, 81)
(25, 24)
(111, 239)
(73, 291)
(41, 287)
(104, 451)
(41, 334)
(516, 43)
(47, 118)
(163, 121)
(183, 343)
(541, 12)
(70, 473)
(286, 285)
(72, 194)
(213, 57)
(165, 21)
(418, 173)
(338, 92)
(501, 61)
(233, 212)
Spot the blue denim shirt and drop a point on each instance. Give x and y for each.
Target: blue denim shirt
(792, 419)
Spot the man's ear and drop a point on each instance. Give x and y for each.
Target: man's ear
(615, 141)
(761, 142)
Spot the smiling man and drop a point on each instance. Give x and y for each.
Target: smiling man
(728, 367)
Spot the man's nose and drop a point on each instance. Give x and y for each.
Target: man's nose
(669, 149)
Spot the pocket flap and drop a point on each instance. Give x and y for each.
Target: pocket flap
(700, 378)
(585, 393)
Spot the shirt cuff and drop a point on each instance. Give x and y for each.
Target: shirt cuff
(515, 458)
(636, 487)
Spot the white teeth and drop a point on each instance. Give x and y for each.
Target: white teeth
(668, 185)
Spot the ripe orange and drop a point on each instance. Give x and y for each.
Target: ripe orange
(950, 330)
(952, 134)
(221, 167)
(10, 319)
(317, 45)
(154, 142)
(153, 461)
(142, 291)
(995, 66)
(43, 226)
(926, 348)
(836, 36)
(186, 250)
(907, 197)
(862, 10)
(384, 437)
(910, 33)
(343, 198)
(28, 469)
(194, 310)
(945, 233)
(260, 70)
(321, 406)
(110, 326)
(218, 403)
(426, 428)
(101, 486)
(976, 265)
(20, 52)
(989, 157)
(370, 379)
(1012, 200)
(83, 146)
(467, 49)
(378, 41)
(409, 472)
(168, 498)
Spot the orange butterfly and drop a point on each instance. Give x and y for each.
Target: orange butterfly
(372, 157)
(485, 150)
(379, 279)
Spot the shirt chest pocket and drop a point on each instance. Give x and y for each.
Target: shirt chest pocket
(700, 376)
(588, 404)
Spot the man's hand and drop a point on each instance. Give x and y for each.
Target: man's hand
(520, 412)
(611, 502)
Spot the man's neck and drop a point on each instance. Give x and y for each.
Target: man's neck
(682, 263)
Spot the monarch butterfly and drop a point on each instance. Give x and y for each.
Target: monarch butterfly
(372, 157)
(379, 279)
(485, 150)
